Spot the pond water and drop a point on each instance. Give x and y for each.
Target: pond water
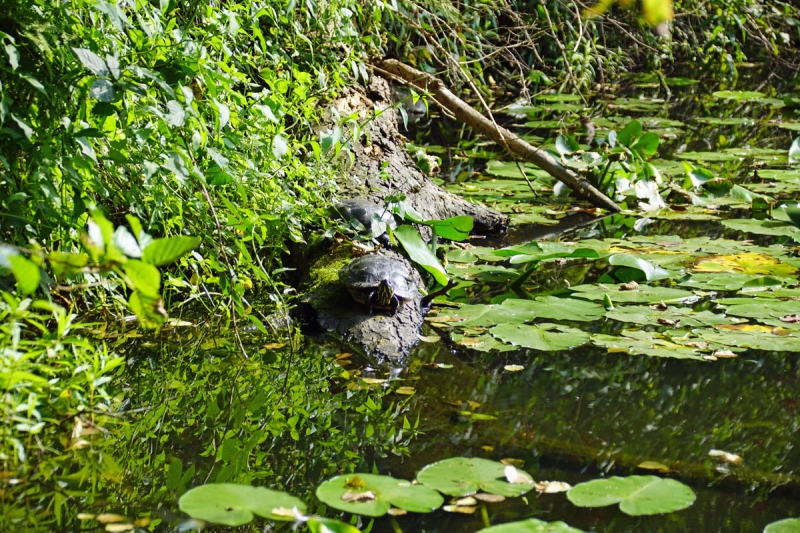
(591, 381)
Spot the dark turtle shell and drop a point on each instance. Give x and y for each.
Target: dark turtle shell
(378, 281)
(365, 212)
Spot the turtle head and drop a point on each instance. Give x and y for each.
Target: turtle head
(384, 297)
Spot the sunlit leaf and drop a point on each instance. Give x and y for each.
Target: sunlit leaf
(419, 252)
(531, 525)
(234, 505)
(386, 492)
(637, 495)
(460, 476)
(168, 249)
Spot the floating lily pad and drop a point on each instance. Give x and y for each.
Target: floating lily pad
(636, 495)
(543, 337)
(763, 227)
(745, 263)
(730, 121)
(787, 525)
(754, 338)
(733, 281)
(738, 95)
(531, 525)
(374, 495)
(554, 308)
(644, 294)
(482, 343)
(644, 343)
(461, 476)
(234, 505)
(708, 157)
(672, 316)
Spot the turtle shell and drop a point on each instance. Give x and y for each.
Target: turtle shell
(378, 281)
(365, 212)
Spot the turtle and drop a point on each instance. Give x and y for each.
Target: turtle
(378, 282)
(368, 213)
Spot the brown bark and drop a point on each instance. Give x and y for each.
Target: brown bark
(500, 135)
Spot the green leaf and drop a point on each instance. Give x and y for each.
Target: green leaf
(419, 252)
(637, 495)
(566, 145)
(145, 277)
(647, 144)
(793, 213)
(644, 294)
(176, 115)
(787, 525)
(531, 525)
(555, 308)
(102, 90)
(374, 495)
(543, 337)
(650, 271)
(148, 309)
(318, 524)
(234, 505)
(460, 476)
(92, 61)
(279, 146)
(26, 272)
(166, 250)
(738, 95)
(66, 265)
(629, 133)
(13, 55)
(454, 228)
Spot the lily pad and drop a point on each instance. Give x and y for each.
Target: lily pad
(787, 525)
(644, 343)
(726, 121)
(554, 308)
(374, 495)
(461, 476)
(753, 338)
(738, 95)
(544, 337)
(762, 227)
(531, 525)
(644, 294)
(636, 495)
(234, 505)
(708, 157)
(672, 316)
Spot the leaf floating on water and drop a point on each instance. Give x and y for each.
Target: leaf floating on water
(394, 511)
(430, 338)
(724, 354)
(725, 456)
(513, 368)
(552, 487)
(358, 497)
(517, 477)
(406, 391)
(286, 512)
(465, 502)
(653, 465)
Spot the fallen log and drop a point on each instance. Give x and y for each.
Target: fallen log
(518, 147)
